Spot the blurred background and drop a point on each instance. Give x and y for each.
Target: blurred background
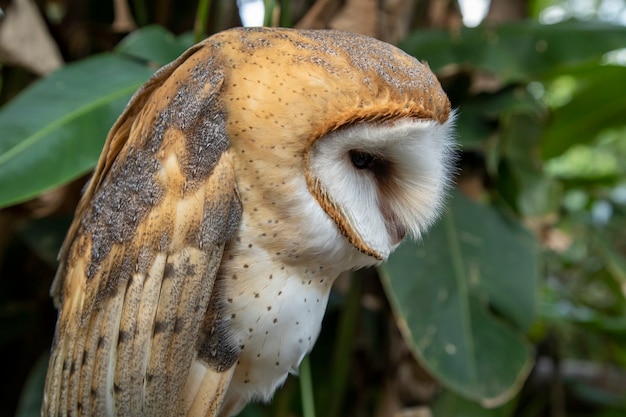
(513, 305)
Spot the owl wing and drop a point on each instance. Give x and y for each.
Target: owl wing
(139, 330)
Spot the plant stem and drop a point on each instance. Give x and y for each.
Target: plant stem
(202, 14)
(285, 14)
(141, 12)
(270, 5)
(343, 347)
(306, 388)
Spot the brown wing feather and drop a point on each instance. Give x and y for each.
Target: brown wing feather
(142, 257)
(117, 138)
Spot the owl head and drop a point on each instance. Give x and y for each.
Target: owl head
(341, 144)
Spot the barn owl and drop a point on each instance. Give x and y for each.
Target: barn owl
(238, 183)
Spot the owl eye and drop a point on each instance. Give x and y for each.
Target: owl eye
(361, 160)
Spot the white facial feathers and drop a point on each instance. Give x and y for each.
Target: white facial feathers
(387, 180)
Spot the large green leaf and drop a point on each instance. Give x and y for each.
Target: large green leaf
(517, 51)
(54, 131)
(441, 292)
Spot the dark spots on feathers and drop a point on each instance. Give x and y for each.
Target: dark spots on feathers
(217, 228)
(159, 327)
(147, 256)
(127, 194)
(123, 337)
(179, 325)
(202, 122)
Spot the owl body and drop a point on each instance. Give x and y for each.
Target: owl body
(239, 182)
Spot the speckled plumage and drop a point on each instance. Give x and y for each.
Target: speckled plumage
(196, 272)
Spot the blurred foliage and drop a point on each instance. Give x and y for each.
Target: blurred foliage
(515, 301)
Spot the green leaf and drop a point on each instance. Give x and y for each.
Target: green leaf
(154, 44)
(517, 51)
(597, 104)
(54, 131)
(441, 292)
